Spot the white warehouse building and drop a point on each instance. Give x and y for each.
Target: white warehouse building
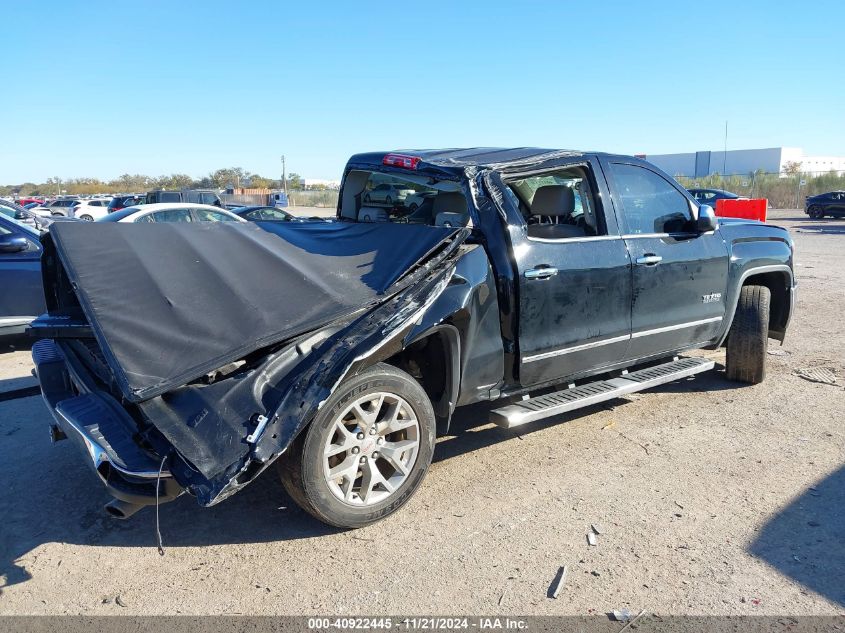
(743, 161)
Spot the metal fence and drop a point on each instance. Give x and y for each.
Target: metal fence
(782, 190)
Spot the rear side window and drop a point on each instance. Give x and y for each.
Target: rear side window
(209, 198)
(171, 215)
(170, 196)
(206, 215)
(650, 204)
(266, 214)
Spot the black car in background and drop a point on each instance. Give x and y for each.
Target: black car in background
(709, 196)
(122, 201)
(824, 204)
(254, 214)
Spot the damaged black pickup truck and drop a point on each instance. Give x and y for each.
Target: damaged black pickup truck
(189, 358)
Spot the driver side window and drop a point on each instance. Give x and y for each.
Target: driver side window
(650, 204)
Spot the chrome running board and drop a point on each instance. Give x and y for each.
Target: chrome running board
(550, 404)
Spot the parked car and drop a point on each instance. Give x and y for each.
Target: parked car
(176, 212)
(388, 193)
(22, 297)
(710, 196)
(122, 201)
(264, 213)
(197, 196)
(61, 206)
(340, 350)
(826, 204)
(93, 209)
(36, 201)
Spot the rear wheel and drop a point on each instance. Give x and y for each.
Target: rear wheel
(749, 336)
(816, 213)
(86, 217)
(365, 453)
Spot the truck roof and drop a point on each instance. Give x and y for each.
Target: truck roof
(459, 158)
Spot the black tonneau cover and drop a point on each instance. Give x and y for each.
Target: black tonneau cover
(171, 302)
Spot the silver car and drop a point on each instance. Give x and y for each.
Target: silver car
(388, 194)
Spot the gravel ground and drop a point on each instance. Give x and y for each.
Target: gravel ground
(712, 499)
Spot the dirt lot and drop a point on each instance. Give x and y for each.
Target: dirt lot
(713, 498)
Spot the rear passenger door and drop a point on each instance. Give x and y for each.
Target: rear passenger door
(679, 275)
(574, 290)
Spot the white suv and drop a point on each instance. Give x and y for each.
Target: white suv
(91, 210)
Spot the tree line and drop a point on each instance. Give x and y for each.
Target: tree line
(132, 183)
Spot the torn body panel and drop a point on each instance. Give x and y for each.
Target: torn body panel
(269, 393)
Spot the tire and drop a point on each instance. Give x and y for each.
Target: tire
(749, 336)
(816, 213)
(86, 217)
(347, 501)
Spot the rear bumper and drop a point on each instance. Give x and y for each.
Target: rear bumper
(103, 430)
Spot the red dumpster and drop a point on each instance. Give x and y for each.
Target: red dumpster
(755, 209)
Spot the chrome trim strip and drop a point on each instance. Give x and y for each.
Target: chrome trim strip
(635, 236)
(589, 238)
(677, 326)
(576, 348)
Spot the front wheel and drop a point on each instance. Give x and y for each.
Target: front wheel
(816, 213)
(366, 451)
(86, 217)
(748, 338)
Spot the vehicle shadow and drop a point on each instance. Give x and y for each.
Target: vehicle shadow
(806, 540)
(15, 343)
(823, 228)
(53, 497)
(466, 434)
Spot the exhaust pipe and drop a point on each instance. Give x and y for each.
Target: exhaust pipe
(121, 509)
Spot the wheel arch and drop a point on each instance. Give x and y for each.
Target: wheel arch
(778, 279)
(434, 360)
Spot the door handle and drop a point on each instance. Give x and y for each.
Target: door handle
(541, 272)
(649, 260)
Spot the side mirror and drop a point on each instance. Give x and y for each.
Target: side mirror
(21, 215)
(706, 219)
(13, 244)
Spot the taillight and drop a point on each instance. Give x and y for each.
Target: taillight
(401, 160)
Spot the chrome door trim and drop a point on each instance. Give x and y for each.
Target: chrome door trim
(677, 326)
(576, 348)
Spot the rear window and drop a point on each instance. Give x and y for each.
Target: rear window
(372, 196)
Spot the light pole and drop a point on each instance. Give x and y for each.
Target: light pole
(284, 178)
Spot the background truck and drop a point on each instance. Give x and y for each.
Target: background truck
(543, 280)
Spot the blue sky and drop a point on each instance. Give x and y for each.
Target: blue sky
(103, 88)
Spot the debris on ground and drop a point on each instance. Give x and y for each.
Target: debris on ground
(823, 375)
(557, 585)
(777, 352)
(631, 623)
(609, 425)
(623, 615)
(591, 538)
(598, 529)
(119, 601)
